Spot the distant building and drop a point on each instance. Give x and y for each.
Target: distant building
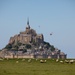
(28, 36)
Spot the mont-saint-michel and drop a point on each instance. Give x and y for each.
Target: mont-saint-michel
(29, 44)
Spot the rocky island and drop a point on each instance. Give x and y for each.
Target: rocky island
(29, 44)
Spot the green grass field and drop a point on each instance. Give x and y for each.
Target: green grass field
(10, 67)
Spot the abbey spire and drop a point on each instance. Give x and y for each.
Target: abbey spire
(28, 26)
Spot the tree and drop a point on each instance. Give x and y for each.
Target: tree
(34, 43)
(15, 47)
(8, 46)
(19, 44)
(24, 50)
(47, 45)
(28, 46)
(52, 48)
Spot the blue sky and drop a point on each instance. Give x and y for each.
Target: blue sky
(57, 16)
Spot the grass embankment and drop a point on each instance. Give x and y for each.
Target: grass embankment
(10, 67)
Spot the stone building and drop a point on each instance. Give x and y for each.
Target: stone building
(27, 36)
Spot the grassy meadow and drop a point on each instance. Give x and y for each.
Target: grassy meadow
(23, 67)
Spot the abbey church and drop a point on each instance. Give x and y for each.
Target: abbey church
(28, 36)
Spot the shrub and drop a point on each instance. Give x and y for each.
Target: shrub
(9, 46)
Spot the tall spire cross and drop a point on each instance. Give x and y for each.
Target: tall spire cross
(28, 26)
(28, 21)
